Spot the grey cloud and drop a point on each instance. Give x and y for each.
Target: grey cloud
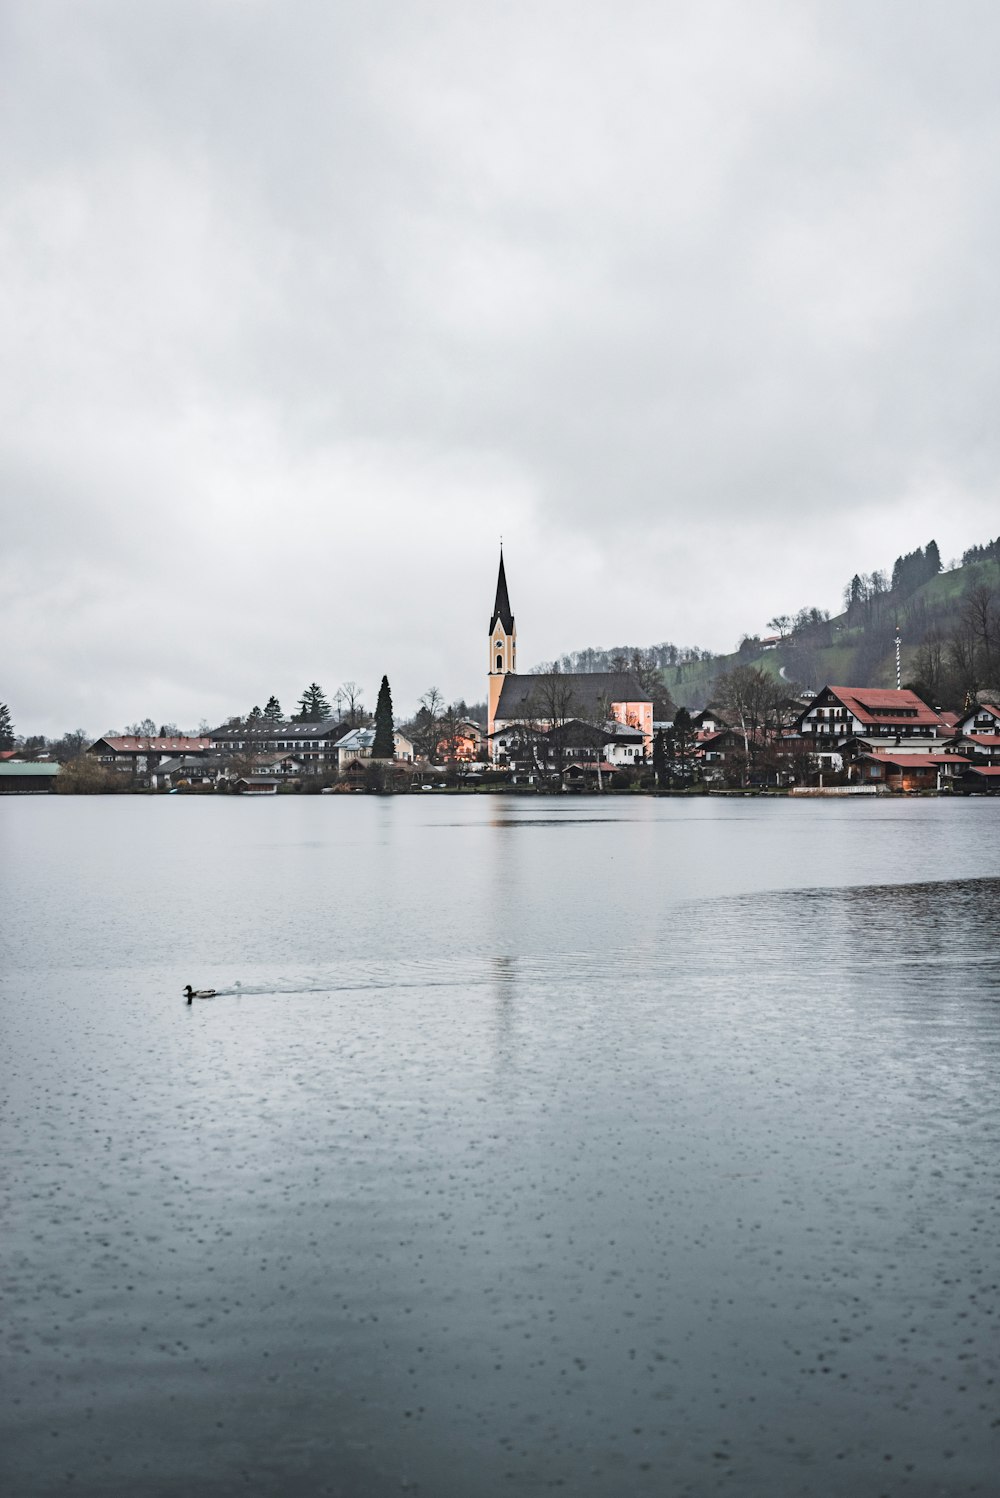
(314, 292)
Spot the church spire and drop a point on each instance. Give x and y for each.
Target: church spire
(501, 609)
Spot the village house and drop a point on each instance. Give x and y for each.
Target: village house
(313, 744)
(188, 769)
(977, 734)
(574, 749)
(905, 772)
(981, 720)
(139, 756)
(357, 745)
(466, 746)
(841, 723)
(888, 714)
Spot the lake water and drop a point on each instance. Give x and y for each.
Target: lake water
(605, 1145)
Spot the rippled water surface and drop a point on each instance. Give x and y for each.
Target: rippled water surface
(618, 1147)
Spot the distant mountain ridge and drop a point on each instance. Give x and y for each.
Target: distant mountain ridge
(949, 625)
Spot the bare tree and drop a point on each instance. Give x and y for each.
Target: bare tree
(433, 701)
(348, 698)
(450, 730)
(752, 698)
(928, 662)
(554, 706)
(981, 618)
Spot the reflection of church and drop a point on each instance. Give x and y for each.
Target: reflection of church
(596, 697)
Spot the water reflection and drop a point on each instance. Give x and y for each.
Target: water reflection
(511, 1163)
(504, 973)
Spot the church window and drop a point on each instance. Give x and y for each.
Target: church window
(499, 662)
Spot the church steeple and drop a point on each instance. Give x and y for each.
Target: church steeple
(501, 609)
(502, 648)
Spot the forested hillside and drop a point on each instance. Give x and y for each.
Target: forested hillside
(949, 623)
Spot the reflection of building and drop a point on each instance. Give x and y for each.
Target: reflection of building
(540, 702)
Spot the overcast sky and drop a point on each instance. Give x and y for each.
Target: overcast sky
(303, 304)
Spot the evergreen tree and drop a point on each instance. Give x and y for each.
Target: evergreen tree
(6, 728)
(272, 712)
(683, 740)
(383, 747)
(254, 717)
(659, 760)
(932, 560)
(313, 706)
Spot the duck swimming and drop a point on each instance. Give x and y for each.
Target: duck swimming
(198, 993)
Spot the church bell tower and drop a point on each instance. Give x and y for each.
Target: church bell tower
(502, 648)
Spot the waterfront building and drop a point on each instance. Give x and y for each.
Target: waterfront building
(358, 745)
(314, 744)
(537, 702)
(139, 756)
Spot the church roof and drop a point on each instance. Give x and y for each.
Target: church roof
(501, 609)
(580, 694)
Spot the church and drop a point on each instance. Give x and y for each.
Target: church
(549, 700)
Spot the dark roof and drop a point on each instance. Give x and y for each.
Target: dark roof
(262, 729)
(190, 762)
(182, 743)
(586, 694)
(501, 609)
(577, 734)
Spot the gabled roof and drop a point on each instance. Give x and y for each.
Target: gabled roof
(914, 761)
(873, 706)
(578, 734)
(132, 744)
(501, 608)
(190, 762)
(261, 728)
(357, 738)
(587, 694)
(979, 710)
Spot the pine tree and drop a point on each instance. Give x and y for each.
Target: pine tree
(272, 711)
(932, 560)
(6, 728)
(659, 760)
(313, 706)
(254, 717)
(383, 747)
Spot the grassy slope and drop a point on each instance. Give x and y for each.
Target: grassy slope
(835, 663)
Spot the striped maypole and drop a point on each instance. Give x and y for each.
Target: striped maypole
(898, 673)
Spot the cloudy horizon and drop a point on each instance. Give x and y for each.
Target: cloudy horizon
(305, 305)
